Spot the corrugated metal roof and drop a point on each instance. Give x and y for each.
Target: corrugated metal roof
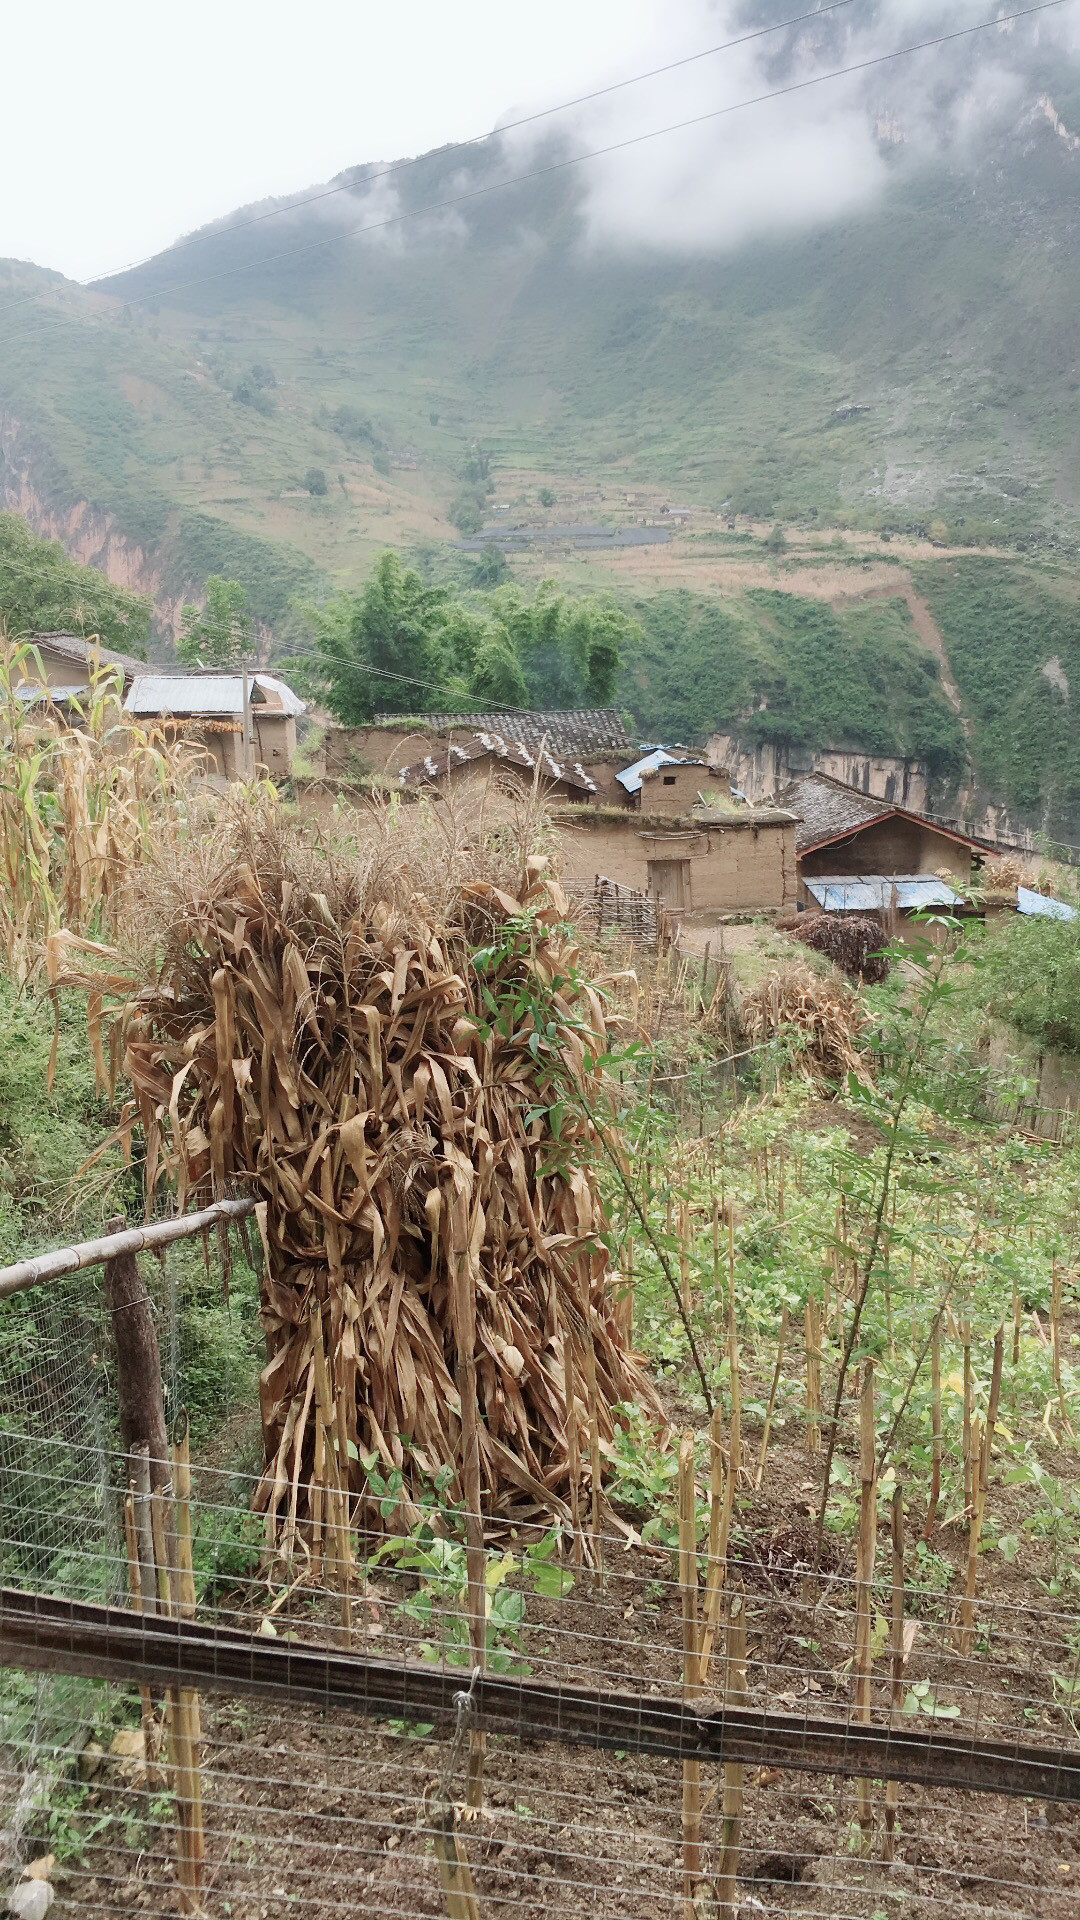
(1042, 905)
(631, 777)
(873, 892)
(190, 693)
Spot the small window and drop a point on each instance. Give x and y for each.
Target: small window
(669, 779)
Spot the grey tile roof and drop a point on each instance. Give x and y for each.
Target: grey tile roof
(827, 807)
(72, 646)
(582, 733)
(512, 753)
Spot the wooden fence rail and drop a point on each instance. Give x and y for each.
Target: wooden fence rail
(45, 1635)
(94, 1253)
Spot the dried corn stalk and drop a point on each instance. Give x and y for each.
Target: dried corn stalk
(820, 1016)
(325, 1045)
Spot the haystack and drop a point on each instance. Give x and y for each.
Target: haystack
(852, 941)
(820, 1017)
(391, 1049)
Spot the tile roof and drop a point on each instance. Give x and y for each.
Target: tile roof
(580, 733)
(73, 646)
(188, 693)
(513, 753)
(827, 808)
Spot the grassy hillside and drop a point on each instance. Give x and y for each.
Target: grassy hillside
(788, 668)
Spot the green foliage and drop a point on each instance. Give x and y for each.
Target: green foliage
(401, 646)
(547, 496)
(1013, 640)
(782, 667)
(1032, 979)
(42, 591)
(466, 512)
(315, 481)
(219, 633)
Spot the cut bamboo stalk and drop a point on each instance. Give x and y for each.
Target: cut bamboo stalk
(935, 1419)
(149, 1726)
(627, 1301)
(688, 1588)
(965, 1339)
(1055, 1343)
(573, 1444)
(191, 1837)
(684, 1259)
(464, 1309)
(727, 1889)
(735, 1424)
(992, 1405)
(896, 1654)
(594, 1449)
(864, 1579)
(1017, 1316)
(720, 1510)
(773, 1390)
(966, 1630)
(812, 1349)
(455, 1874)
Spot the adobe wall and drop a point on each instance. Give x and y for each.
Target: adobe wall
(892, 846)
(275, 742)
(736, 869)
(675, 789)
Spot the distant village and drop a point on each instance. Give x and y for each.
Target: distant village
(640, 823)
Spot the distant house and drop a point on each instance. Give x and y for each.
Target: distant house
(666, 782)
(726, 859)
(462, 764)
(594, 736)
(208, 710)
(859, 854)
(66, 662)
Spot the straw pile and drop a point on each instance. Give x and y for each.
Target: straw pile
(318, 1029)
(821, 1018)
(852, 941)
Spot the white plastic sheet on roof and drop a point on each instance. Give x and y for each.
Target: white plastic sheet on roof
(873, 892)
(1038, 903)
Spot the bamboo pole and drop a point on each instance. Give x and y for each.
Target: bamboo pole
(896, 1654)
(93, 1253)
(992, 1405)
(688, 1588)
(720, 1512)
(864, 1577)
(935, 1418)
(464, 1310)
(189, 1723)
(455, 1873)
(966, 1624)
(1055, 1343)
(734, 1774)
(149, 1725)
(965, 1339)
(812, 1352)
(735, 1424)
(771, 1404)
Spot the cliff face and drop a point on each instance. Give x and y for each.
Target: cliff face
(88, 533)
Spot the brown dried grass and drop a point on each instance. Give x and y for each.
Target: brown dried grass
(822, 1017)
(313, 1029)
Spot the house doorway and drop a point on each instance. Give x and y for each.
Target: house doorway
(669, 882)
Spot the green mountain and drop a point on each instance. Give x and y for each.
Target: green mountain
(278, 398)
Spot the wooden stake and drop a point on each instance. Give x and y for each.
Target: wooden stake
(975, 1521)
(1055, 1344)
(735, 1426)
(896, 1652)
(865, 1581)
(140, 1401)
(688, 1587)
(464, 1311)
(727, 1889)
(149, 1725)
(771, 1406)
(721, 1484)
(992, 1406)
(935, 1418)
(965, 1337)
(812, 1348)
(455, 1874)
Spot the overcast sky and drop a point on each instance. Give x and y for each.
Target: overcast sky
(129, 122)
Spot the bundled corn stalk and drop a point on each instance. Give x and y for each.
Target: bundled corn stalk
(319, 1030)
(821, 1017)
(852, 941)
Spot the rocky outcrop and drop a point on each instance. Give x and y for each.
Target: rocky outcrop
(88, 533)
(760, 770)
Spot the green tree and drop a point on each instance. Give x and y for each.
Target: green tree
(383, 646)
(570, 650)
(315, 480)
(219, 633)
(546, 496)
(43, 591)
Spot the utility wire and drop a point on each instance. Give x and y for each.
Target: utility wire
(597, 153)
(205, 235)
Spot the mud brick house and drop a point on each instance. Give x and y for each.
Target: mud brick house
(711, 859)
(857, 853)
(594, 737)
(460, 769)
(208, 710)
(672, 782)
(66, 662)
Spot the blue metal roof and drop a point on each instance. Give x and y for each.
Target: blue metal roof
(631, 777)
(1038, 903)
(874, 892)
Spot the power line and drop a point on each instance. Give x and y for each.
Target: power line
(597, 153)
(475, 140)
